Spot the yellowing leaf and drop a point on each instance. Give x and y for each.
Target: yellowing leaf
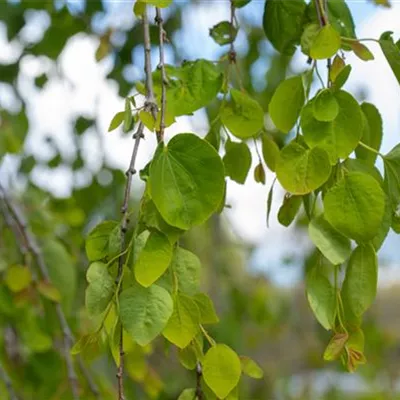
(251, 368)
(50, 291)
(18, 277)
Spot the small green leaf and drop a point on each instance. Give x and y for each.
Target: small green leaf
(392, 176)
(333, 245)
(97, 242)
(336, 346)
(214, 136)
(391, 52)
(326, 43)
(251, 368)
(283, 22)
(158, 3)
(187, 394)
(237, 161)
(355, 206)
(326, 108)
(117, 120)
(361, 51)
(270, 151)
(100, 290)
(221, 369)
(184, 323)
(144, 312)
(337, 67)
(360, 283)
(269, 201)
(240, 3)
(286, 103)
(372, 133)
(139, 8)
(49, 291)
(187, 357)
(242, 115)
(153, 259)
(87, 343)
(18, 277)
(128, 119)
(207, 310)
(289, 209)
(321, 297)
(223, 33)
(259, 173)
(186, 180)
(300, 170)
(342, 77)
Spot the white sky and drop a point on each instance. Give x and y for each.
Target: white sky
(51, 108)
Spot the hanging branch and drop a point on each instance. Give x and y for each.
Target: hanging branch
(232, 52)
(164, 80)
(151, 107)
(29, 242)
(7, 383)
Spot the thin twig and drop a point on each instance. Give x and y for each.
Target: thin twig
(149, 106)
(29, 241)
(8, 384)
(322, 13)
(164, 80)
(199, 374)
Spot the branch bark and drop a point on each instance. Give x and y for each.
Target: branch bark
(29, 243)
(199, 374)
(151, 107)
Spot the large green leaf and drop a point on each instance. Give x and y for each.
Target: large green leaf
(242, 115)
(391, 52)
(360, 283)
(144, 312)
(97, 242)
(338, 137)
(372, 133)
(326, 43)
(333, 245)
(321, 297)
(100, 289)
(221, 369)
(355, 206)
(184, 323)
(153, 259)
(286, 103)
(282, 23)
(300, 170)
(186, 180)
(237, 161)
(62, 271)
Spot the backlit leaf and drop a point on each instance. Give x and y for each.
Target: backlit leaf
(237, 161)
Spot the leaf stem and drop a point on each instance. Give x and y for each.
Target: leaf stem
(370, 149)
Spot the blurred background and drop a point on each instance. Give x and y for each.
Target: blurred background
(65, 69)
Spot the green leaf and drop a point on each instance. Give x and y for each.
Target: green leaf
(144, 312)
(237, 161)
(289, 209)
(87, 344)
(342, 77)
(158, 3)
(269, 201)
(286, 103)
(100, 290)
(97, 242)
(355, 206)
(336, 346)
(223, 33)
(251, 368)
(333, 245)
(321, 297)
(18, 277)
(82, 124)
(240, 3)
(207, 310)
(307, 38)
(392, 176)
(259, 173)
(117, 120)
(372, 133)
(326, 108)
(187, 357)
(221, 369)
(360, 283)
(384, 229)
(62, 271)
(187, 394)
(153, 259)
(326, 43)
(270, 151)
(338, 137)
(128, 119)
(337, 67)
(282, 24)
(214, 136)
(186, 180)
(356, 165)
(300, 170)
(49, 291)
(341, 18)
(361, 51)
(242, 115)
(184, 323)
(391, 52)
